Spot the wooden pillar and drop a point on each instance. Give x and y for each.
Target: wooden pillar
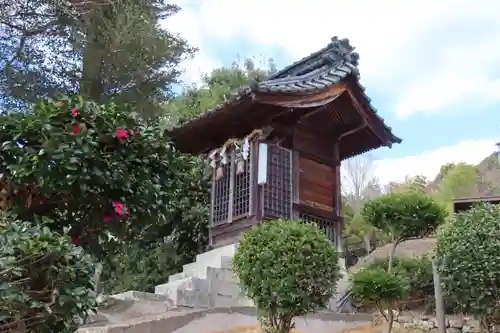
(438, 294)
(211, 218)
(337, 197)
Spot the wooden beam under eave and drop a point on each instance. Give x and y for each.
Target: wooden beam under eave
(359, 108)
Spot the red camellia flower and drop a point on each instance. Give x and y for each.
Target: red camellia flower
(121, 134)
(74, 112)
(75, 240)
(119, 208)
(75, 128)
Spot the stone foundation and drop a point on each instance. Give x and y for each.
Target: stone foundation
(454, 324)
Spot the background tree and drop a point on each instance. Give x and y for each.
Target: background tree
(488, 180)
(459, 181)
(358, 186)
(103, 49)
(357, 174)
(216, 87)
(417, 183)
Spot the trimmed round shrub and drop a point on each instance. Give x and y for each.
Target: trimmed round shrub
(416, 271)
(404, 215)
(468, 253)
(45, 281)
(288, 268)
(374, 285)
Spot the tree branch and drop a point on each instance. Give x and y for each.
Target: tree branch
(17, 54)
(30, 33)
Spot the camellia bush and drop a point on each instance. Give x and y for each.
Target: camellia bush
(100, 171)
(288, 268)
(468, 253)
(45, 281)
(97, 176)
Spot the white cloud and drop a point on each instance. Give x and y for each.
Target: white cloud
(404, 48)
(185, 24)
(464, 78)
(428, 163)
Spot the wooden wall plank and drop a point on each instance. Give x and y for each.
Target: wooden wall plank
(316, 182)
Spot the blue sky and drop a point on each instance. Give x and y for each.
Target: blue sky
(432, 68)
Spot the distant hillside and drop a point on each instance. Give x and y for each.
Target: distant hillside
(487, 177)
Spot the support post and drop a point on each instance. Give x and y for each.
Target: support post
(337, 203)
(438, 294)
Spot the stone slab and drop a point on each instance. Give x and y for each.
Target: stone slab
(221, 274)
(228, 250)
(142, 296)
(178, 276)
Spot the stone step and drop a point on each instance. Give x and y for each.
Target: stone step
(177, 276)
(203, 293)
(211, 282)
(205, 273)
(174, 290)
(200, 270)
(225, 251)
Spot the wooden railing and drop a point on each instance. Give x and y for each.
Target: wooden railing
(326, 225)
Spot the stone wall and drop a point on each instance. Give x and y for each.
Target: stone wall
(454, 324)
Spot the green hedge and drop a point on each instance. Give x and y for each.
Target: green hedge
(418, 274)
(417, 271)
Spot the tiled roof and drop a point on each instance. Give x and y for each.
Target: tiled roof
(316, 72)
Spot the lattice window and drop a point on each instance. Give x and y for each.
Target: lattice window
(278, 188)
(221, 188)
(231, 195)
(241, 191)
(326, 225)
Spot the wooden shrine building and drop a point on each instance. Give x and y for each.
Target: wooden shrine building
(276, 146)
(464, 204)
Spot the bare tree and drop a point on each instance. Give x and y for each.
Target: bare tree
(358, 185)
(357, 173)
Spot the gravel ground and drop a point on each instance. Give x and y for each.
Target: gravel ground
(225, 322)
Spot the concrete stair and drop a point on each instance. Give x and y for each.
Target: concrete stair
(208, 282)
